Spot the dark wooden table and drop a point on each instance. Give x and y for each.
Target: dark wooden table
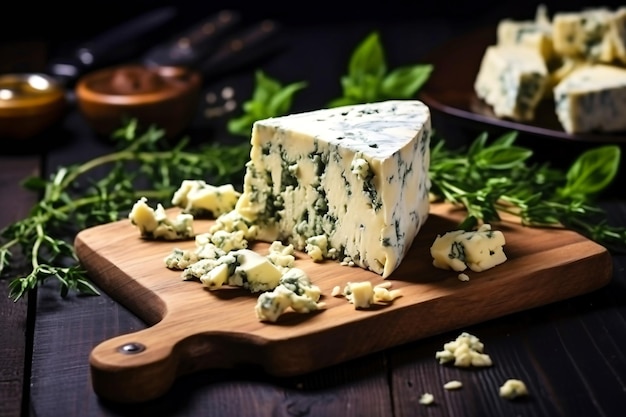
(571, 354)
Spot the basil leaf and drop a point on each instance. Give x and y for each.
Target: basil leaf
(404, 82)
(368, 58)
(269, 99)
(592, 171)
(502, 157)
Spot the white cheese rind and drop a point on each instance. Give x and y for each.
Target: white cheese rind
(592, 98)
(356, 174)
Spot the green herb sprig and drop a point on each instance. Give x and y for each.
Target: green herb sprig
(369, 79)
(492, 178)
(71, 201)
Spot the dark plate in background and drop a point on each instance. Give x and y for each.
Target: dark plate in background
(450, 90)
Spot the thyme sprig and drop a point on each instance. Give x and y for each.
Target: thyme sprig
(489, 179)
(72, 200)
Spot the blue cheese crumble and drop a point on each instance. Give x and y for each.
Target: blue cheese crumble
(294, 290)
(155, 223)
(459, 249)
(204, 200)
(363, 294)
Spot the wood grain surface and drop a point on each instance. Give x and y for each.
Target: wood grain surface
(192, 328)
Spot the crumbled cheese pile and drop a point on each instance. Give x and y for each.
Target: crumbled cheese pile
(221, 255)
(467, 350)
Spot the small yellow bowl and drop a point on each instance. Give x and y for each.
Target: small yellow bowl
(164, 96)
(29, 104)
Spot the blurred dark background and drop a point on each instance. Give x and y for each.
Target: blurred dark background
(60, 21)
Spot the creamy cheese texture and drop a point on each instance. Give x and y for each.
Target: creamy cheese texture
(535, 34)
(477, 250)
(357, 175)
(595, 34)
(592, 98)
(200, 199)
(512, 79)
(154, 223)
(567, 44)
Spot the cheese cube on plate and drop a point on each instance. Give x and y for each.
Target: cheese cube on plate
(512, 79)
(594, 34)
(592, 98)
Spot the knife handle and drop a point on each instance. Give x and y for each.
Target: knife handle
(193, 44)
(117, 43)
(242, 49)
(114, 45)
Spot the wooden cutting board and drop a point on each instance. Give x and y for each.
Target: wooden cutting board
(191, 328)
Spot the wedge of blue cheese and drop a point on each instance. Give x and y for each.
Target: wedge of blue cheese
(356, 175)
(477, 250)
(513, 80)
(592, 98)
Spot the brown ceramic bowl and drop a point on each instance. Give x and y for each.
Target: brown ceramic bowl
(166, 97)
(29, 104)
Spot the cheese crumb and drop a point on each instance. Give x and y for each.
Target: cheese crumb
(463, 277)
(454, 384)
(465, 351)
(363, 294)
(513, 388)
(427, 398)
(477, 250)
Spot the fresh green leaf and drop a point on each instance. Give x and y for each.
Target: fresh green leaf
(368, 59)
(269, 99)
(501, 157)
(592, 172)
(368, 80)
(404, 82)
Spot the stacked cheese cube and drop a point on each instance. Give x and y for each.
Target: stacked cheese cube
(576, 58)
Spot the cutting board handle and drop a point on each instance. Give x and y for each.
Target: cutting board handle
(142, 366)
